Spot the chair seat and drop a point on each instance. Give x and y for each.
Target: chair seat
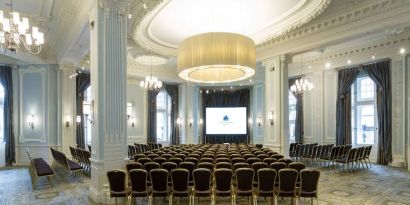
(202, 193)
(73, 165)
(308, 194)
(42, 168)
(139, 194)
(264, 193)
(119, 194)
(180, 194)
(228, 193)
(342, 160)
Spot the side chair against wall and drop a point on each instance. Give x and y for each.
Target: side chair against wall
(266, 184)
(117, 182)
(139, 188)
(309, 185)
(202, 184)
(244, 184)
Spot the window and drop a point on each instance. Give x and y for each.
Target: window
(87, 123)
(163, 117)
(292, 116)
(363, 111)
(1, 113)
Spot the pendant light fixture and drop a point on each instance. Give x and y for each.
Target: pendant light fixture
(301, 85)
(151, 82)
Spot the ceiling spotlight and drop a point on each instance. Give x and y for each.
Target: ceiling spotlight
(144, 6)
(349, 62)
(327, 65)
(373, 57)
(402, 50)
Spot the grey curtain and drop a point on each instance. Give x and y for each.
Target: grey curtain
(82, 83)
(6, 82)
(299, 114)
(380, 74)
(346, 78)
(172, 91)
(152, 116)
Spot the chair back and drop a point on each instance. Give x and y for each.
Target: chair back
(166, 156)
(253, 160)
(223, 159)
(138, 156)
(138, 178)
(191, 159)
(175, 160)
(180, 179)
(190, 166)
(237, 160)
(267, 177)
(144, 160)
(223, 179)
(116, 180)
(287, 182)
(159, 181)
(309, 180)
(202, 180)
(160, 160)
(151, 165)
(269, 160)
(206, 165)
(225, 165)
(206, 159)
(296, 166)
(133, 165)
(285, 160)
(240, 165)
(244, 178)
(256, 166)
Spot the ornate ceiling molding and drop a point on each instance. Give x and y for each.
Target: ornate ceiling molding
(143, 17)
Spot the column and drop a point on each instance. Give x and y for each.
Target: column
(189, 113)
(276, 101)
(108, 24)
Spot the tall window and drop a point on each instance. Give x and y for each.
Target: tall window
(292, 116)
(87, 123)
(363, 111)
(163, 117)
(1, 113)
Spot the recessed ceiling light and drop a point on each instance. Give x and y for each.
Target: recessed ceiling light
(402, 50)
(373, 57)
(349, 62)
(327, 65)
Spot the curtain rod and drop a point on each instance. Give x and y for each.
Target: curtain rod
(362, 64)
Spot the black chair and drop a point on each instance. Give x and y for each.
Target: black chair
(278, 166)
(244, 180)
(266, 184)
(262, 156)
(223, 159)
(287, 183)
(191, 159)
(169, 166)
(150, 166)
(152, 156)
(253, 160)
(159, 183)
(133, 165)
(144, 160)
(256, 166)
(181, 156)
(138, 156)
(237, 160)
(166, 156)
(160, 160)
(298, 166)
(175, 160)
(210, 160)
(180, 180)
(269, 160)
(206, 165)
(225, 165)
(116, 180)
(309, 184)
(190, 166)
(285, 160)
(240, 165)
(202, 184)
(223, 181)
(139, 188)
(277, 156)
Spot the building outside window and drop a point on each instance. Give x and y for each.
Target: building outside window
(292, 116)
(163, 117)
(364, 116)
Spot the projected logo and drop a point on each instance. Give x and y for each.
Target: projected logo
(226, 118)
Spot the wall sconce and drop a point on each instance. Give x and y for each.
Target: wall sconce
(179, 121)
(250, 121)
(67, 120)
(133, 121)
(270, 117)
(88, 110)
(129, 110)
(259, 121)
(78, 119)
(201, 121)
(30, 121)
(190, 122)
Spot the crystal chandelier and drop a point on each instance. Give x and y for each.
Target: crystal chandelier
(151, 82)
(15, 33)
(301, 85)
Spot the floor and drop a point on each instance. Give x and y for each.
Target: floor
(377, 185)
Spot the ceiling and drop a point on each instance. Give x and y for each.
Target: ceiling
(180, 19)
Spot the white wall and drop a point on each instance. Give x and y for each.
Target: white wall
(138, 97)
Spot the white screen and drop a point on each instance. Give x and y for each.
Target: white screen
(227, 120)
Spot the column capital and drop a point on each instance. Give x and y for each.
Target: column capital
(66, 67)
(120, 5)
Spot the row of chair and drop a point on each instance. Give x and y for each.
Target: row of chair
(82, 157)
(141, 148)
(271, 183)
(63, 164)
(39, 168)
(355, 158)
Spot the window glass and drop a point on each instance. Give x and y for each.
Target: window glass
(87, 123)
(163, 117)
(1, 113)
(292, 116)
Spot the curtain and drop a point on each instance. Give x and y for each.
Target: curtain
(346, 78)
(172, 91)
(82, 83)
(152, 116)
(238, 98)
(6, 82)
(380, 74)
(299, 114)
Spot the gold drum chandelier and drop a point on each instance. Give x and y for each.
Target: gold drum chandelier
(216, 58)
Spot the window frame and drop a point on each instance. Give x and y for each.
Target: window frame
(166, 111)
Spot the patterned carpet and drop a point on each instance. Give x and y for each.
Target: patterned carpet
(377, 185)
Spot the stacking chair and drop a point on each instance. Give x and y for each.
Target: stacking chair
(367, 155)
(269, 160)
(191, 159)
(223, 181)
(143, 160)
(175, 160)
(139, 188)
(348, 161)
(266, 184)
(240, 165)
(278, 166)
(247, 156)
(253, 160)
(138, 156)
(150, 166)
(225, 165)
(160, 160)
(277, 156)
(169, 166)
(237, 160)
(202, 184)
(285, 160)
(206, 165)
(117, 182)
(152, 156)
(166, 156)
(159, 181)
(222, 159)
(262, 156)
(244, 179)
(206, 159)
(309, 184)
(256, 166)
(298, 166)
(287, 183)
(180, 180)
(190, 166)
(181, 156)
(208, 155)
(133, 165)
